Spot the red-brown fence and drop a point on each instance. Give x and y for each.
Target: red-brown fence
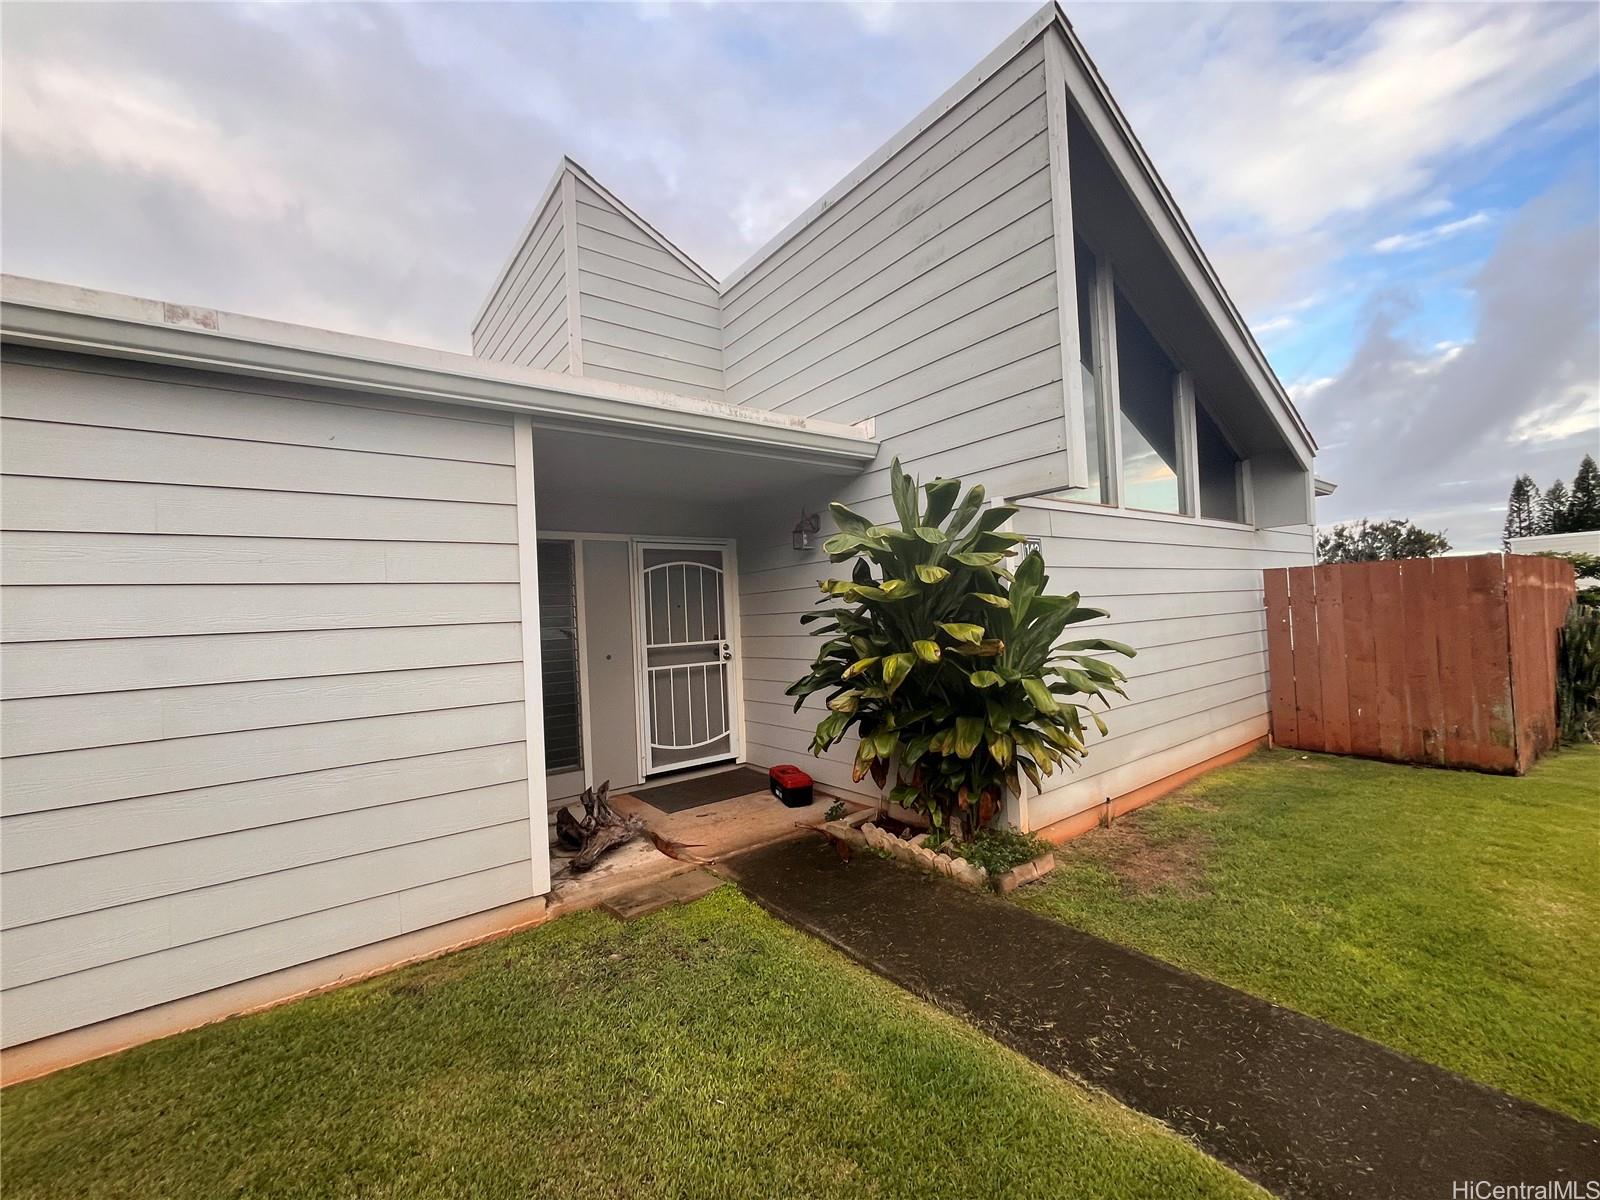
(1449, 661)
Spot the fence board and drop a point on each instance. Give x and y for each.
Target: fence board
(1280, 656)
(1445, 661)
(1424, 680)
(1360, 662)
(1389, 655)
(1333, 665)
(1307, 662)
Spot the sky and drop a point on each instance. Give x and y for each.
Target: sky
(1403, 199)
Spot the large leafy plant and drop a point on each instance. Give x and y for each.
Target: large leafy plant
(945, 662)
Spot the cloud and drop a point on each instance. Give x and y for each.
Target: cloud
(1428, 237)
(1519, 396)
(1295, 115)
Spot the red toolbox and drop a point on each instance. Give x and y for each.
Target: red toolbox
(790, 784)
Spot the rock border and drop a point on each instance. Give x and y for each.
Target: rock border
(858, 831)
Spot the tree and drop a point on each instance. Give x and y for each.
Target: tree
(1522, 515)
(1370, 541)
(1553, 509)
(1583, 507)
(945, 662)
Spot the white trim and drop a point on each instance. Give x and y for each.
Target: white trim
(569, 268)
(1055, 103)
(585, 723)
(1186, 443)
(1105, 333)
(72, 320)
(532, 681)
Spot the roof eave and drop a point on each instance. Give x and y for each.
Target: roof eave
(554, 401)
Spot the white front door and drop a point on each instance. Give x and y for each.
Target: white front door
(688, 696)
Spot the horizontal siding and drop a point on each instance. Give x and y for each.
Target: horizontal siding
(525, 321)
(644, 317)
(262, 684)
(1186, 594)
(924, 300)
(1188, 597)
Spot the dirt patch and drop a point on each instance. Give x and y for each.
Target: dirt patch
(1143, 864)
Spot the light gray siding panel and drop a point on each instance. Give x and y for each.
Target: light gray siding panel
(130, 664)
(33, 558)
(66, 1001)
(46, 781)
(525, 321)
(91, 394)
(644, 316)
(53, 723)
(262, 689)
(93, 506)
(67, 834)
(93, 452)
(44, 614)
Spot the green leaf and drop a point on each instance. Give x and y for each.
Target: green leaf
(970, 504)
(895, 668)
(903, 491)
(1040, 695)
(969, 732)
(848, 520)
(934, 537)
(962, 631)
(968, 558)
(931, 574)
(895, 589)
(845, 702)
(941, 495)
(985, 679)
(905, 795)
(927, 651)
(1001, 748)
(1102, 644)
(857, 667)
(992, 600)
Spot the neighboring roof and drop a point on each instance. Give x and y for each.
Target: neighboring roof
(1584, 542)
(80, 320)
(1325, 487)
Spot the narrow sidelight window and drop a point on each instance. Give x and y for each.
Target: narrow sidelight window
(1145, 382)
(558, 657)
(1094, 393)
(1219, 469)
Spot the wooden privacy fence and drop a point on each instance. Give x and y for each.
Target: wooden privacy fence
(1449, 661)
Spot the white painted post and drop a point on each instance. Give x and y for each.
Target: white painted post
(1055, 107)
(532, 677)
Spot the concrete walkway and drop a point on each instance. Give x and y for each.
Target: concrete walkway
(1302, 1108)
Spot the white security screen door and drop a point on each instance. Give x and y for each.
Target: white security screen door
(687, 696)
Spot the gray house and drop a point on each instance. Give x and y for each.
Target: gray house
(305, 633)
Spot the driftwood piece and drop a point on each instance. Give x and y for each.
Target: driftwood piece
(600, 830)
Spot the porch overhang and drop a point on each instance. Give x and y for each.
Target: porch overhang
(101, 324)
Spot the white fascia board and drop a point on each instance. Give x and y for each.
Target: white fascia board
(81, 321)
(1324, 487)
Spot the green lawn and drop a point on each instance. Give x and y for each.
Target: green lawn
(704, 1051)
(1451, 915)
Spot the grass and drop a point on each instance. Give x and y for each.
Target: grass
(1451, 915)
(704, 1051)
(998, 850)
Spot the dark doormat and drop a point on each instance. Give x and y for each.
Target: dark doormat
(707, 789)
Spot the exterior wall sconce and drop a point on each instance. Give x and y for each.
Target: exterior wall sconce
(805, 530)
